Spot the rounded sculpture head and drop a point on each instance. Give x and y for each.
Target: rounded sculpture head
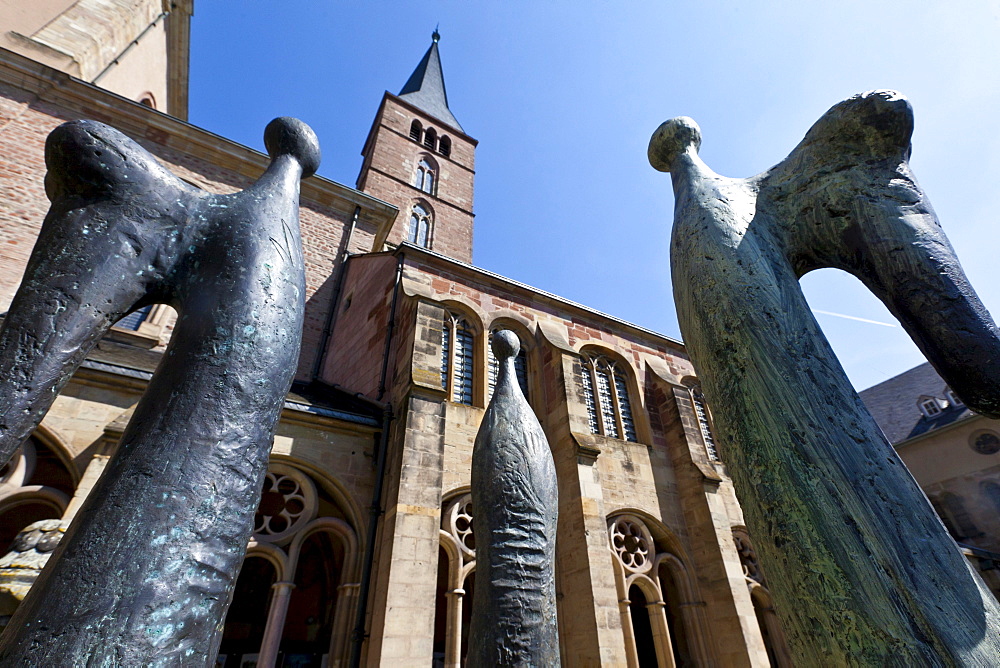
(505, 344)
(290, 136)
(671, 139)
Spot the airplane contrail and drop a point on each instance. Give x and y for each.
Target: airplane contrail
(852, 317)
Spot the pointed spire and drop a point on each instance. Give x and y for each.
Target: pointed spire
(425, 87)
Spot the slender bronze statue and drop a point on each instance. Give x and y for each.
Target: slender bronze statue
(516, 505)
(862, 571)
(145, 573)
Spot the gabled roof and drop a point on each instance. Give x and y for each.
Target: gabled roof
(425, 87)
(895, 404)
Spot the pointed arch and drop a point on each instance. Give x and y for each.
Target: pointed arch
(609, 390)
(658, 564)
(420, 230)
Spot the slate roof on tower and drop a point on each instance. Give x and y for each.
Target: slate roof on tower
(425, 87)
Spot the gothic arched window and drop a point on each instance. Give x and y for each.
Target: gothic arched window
(293, 595)
(444, 146)
(424, 179)
(605, 390)
(457, 358)
(415, 130)
(520, 367)
(420, 227)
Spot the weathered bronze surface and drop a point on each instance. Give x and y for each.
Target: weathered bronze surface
(515, 505)
(861, 569)
(145, 573)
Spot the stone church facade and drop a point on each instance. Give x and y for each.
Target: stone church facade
(364, 542)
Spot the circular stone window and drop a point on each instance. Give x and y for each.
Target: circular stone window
(985, 442)
(288, 502)
(632, 542)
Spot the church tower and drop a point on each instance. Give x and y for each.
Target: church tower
(418, 158)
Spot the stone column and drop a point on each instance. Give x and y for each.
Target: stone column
(275, 624)
(625, 612)
(661, 633)
(342, 618)
(453, 629)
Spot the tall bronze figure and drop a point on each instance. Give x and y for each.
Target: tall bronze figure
(515, 503)
(862, 570)
(145, 573)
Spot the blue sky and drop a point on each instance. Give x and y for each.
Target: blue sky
(563, 97)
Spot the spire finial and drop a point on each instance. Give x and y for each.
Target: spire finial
(436, 36)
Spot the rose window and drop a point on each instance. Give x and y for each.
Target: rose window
(632, 542)
(288, 501)
(458, 522)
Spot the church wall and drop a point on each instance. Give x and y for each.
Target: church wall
(26, 119)
(666, 477)
(358, 341)
(142, 72)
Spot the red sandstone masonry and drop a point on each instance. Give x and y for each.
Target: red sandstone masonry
(25, 122)
(391, 159)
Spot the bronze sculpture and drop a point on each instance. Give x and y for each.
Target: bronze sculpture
(145, 573)
(516, 505)
(862, 570)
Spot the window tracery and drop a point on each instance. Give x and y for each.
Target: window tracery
(297, 589)
(456, 581)
(748, 558)
(632, 543)
(421, 223)
(660, 613)
(457, 358)
(288, 502)
(605, 390)
(425, 177)
(767, 620)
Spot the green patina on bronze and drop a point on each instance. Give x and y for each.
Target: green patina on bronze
(861, 569)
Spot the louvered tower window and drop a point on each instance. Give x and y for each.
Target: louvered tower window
(444, 146)
(520, 368)
(415, 130)
(457, 358)
(430, 139)
(605, 389)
